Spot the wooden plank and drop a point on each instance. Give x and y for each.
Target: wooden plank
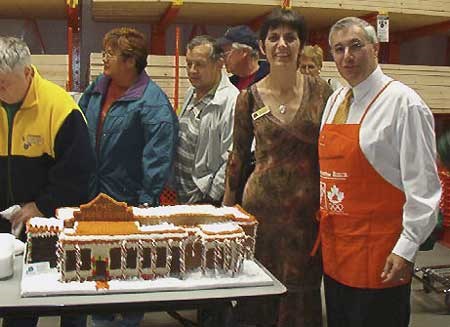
(431, 82)
(50, 59)
(439, 8)
(154, 72)
(319, 14)
(152, 60)
(128, 10)
(52, 67)
(50, 9)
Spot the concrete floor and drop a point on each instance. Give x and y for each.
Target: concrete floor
(428, 309)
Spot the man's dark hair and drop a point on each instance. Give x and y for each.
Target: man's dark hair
(216, 50)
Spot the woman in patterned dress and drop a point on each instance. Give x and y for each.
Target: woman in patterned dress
(282, 112)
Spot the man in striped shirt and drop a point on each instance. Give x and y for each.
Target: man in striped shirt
(206, 125)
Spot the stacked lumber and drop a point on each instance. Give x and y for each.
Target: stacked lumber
(52, 67)
(319, 14)
(49, 9)
(432, 83)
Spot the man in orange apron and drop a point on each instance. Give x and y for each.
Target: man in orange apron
(379, 185)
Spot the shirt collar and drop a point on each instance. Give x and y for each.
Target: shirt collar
(209, 95)
(31, 98)
(361, 90)
(134, 92)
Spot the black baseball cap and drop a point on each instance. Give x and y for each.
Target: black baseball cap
(239, 34)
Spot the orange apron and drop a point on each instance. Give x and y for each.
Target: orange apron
(360, 212)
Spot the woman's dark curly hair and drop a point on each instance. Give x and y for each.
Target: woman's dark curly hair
(284, 17)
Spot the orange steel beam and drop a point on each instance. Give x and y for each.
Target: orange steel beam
(73, 18)
(177, 68)
(169, 15)
(158, 34)
(73, 45)
(69, 84)
(286, 4)
(443, 27)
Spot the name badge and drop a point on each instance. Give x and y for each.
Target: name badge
(260, 112)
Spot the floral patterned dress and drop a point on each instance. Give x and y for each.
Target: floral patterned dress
(283, 193)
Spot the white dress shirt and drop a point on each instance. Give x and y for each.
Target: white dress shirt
(397, 137)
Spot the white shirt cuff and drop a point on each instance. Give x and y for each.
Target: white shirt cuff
(406, 249)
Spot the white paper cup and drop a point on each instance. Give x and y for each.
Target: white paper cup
(6, 255)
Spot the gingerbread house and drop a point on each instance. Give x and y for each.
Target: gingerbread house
(106, 239)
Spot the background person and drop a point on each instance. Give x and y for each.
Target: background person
(311, 62)
(282, 111)
(132, 129)
(45, 158)
(241, 54)
(206, 129)
(379, 185)
(206, 125)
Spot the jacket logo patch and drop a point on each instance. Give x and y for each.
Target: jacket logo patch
(30, 140)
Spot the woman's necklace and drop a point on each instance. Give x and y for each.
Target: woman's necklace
(288, 99)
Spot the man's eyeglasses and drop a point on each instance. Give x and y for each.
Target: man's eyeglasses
(353, 48)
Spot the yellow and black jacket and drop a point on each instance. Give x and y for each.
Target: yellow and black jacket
(45, 154)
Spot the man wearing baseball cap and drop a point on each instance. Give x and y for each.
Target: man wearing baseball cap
(241, 54)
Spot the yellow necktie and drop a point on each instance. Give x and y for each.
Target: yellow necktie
(344, 108)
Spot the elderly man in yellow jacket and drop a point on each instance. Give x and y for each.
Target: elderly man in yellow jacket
(45, 157)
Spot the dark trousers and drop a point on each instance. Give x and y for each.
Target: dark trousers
(356, 307)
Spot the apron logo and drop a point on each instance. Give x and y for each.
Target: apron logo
(30, 140)
(335, 198)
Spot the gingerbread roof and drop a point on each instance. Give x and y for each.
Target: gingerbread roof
(104, 208)
(106, 228)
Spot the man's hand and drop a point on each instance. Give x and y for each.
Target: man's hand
(396, 269)
(28, 210)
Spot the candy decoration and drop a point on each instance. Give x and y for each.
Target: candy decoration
(78, 261)
(154, 257)
(203, 258)
(182, 259)
(168, 257)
